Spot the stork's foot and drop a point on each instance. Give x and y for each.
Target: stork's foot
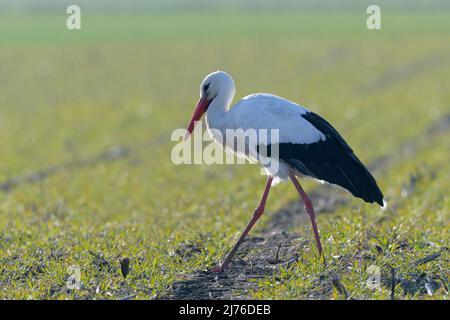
(218, 269)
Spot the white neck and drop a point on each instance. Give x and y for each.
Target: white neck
(217, 110)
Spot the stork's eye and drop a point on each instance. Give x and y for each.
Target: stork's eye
(206, 87)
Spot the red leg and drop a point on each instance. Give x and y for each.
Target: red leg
(256, 215)
(309, 209)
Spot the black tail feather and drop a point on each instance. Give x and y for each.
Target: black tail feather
(325, 160)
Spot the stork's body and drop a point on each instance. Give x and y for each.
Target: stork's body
(307, 144)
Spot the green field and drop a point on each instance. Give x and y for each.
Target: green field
(86, 178)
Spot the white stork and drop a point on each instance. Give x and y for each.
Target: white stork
(308, 145)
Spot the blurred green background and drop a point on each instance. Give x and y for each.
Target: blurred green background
(86, 117)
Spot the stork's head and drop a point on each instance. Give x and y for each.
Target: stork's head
(217, 85)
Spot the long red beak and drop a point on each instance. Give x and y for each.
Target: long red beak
(198, 113)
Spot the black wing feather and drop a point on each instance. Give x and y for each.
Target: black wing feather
(331, 160)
